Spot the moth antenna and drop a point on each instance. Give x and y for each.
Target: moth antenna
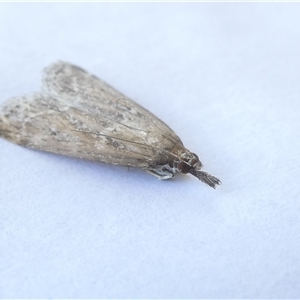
(206, 178)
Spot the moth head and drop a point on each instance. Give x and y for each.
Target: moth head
(190, 163)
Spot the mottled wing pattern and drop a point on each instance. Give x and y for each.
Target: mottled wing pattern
(82, 116)
(74, 85)
(44, 123)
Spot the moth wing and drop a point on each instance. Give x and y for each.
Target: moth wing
(76, 86)
(44, 123)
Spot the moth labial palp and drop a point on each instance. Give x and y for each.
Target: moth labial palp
(79, 115)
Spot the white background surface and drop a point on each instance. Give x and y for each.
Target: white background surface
(225, 77)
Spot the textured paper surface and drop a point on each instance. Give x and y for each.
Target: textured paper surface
(225, 78)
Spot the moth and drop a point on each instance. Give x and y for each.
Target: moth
(79, 115)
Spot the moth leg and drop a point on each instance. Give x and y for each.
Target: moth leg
(161, 172)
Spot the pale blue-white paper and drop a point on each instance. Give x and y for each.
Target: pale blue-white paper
(225, 78)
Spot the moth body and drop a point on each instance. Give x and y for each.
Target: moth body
(79, 115)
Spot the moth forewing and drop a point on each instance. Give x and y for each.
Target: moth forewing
(79, 115)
